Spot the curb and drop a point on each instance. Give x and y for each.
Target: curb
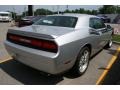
(116, 42)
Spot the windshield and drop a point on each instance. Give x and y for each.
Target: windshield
(63, 21)
(4, 14)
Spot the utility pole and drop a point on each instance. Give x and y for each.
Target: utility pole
(67, 7)
(30, 10)
(33, 11)
(53, 9)
(58, 9)
(25, 10)
(13, 12)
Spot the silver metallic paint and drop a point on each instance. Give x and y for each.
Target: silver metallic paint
(69, 41)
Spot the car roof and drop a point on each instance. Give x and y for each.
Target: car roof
(4, 12)
(75, 15)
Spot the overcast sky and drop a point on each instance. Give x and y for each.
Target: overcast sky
(20, 8)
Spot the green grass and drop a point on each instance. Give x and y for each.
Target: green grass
(116, 38)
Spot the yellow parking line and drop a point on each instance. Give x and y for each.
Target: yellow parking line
(7, 59)
(113, 59)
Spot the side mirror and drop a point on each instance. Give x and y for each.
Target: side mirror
(108, 27)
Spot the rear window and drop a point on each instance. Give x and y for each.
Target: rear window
(62, 21)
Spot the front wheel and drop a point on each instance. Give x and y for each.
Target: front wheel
(109, 44)
(82, 62)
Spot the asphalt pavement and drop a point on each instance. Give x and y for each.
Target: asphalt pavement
(113, 76)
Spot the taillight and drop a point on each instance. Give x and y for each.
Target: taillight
(14, 38)
(49, 45)
(45, 45)
(36, 43)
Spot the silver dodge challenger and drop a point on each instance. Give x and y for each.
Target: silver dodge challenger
(58, 43)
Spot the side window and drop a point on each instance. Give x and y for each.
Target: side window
(96, 23)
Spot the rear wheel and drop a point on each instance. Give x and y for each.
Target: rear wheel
(82, 62)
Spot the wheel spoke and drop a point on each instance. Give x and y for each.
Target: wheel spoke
(84, 61)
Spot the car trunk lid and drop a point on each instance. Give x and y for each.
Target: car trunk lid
(37, 37)
(49, 32)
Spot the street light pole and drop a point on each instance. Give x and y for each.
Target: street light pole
(67, 7)
(25, 10)
(14, 12)
(58, 9)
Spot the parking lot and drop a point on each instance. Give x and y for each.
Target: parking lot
(13, 72)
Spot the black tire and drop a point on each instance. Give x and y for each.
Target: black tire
(76, 68)
(109, 44)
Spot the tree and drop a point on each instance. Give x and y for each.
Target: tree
(43, 12)
(117, 9)
(76, 11)
(67, 11)
(107, 9)
(87, 12)
(94, 12)
(25, 13)
(81, 10)
(13, 14)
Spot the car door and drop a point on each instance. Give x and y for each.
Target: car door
(96, 32)
(105, 32)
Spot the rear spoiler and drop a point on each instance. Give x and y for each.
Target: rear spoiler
(31, 34)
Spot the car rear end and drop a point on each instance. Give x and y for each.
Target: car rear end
(37, 53)
(39, 46)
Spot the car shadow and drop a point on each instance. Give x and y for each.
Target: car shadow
(96, 54)
(111, 51)
(27, 75)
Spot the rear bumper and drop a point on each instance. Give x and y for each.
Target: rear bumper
(41, 60)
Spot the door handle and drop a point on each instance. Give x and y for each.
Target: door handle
(95, 32)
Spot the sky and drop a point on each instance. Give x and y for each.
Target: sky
(20, 8)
